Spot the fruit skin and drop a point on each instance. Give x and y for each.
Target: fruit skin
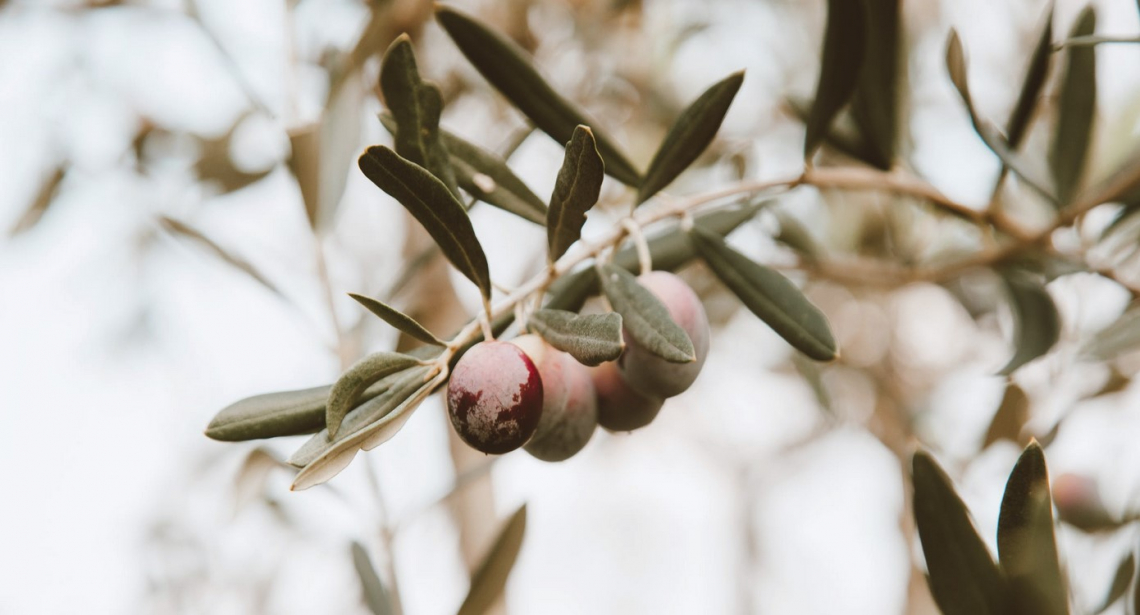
(620, 407)
(569, 409)
(650, 374)
(494, 397)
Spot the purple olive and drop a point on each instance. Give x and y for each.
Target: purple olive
(494, 397)
(569, 409)
(620, 407)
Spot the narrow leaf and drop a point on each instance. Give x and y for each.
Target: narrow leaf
(507, 68)
(186, 231)
(690, 135)
(398, 319)
(1122, 336)
(375, 596)
(346, 391)
(1026, 546)
(1120, 582)
(591, 339)
(576, 190)
(963, 577)
(287, 413)
(1037, 326)
(436, 208)
(45, 196)
(644, 317)
(1010, 418)
(1075, 112)
(490, 578)
(1035, 74)
(475, 165)
(769, 295)
(844, 44)
(875, 105)
(416, 106)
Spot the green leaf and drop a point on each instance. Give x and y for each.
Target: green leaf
(576, 190)
(375, 596)
(1037, 326)
(416, 106)
(963, 577)
(346, 391)
(436, 208)
(286, 413)
(507, 68)
(875, 105)
(644, 317)
(490, 577)
(398, 319)
(690, 135)
(591, 339)
(1120, 582)
(1035, 75)
(1026, 546)
(1076, 110)
(1010, 418)
(843, 48)
(769, 295)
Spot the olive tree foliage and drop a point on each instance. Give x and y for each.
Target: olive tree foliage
(1052, 214)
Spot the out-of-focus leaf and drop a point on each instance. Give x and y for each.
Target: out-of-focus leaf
(215, 165)
(40, 203)
(249, 484)
(1120, 582)
(490, 578)
(398, 319)
(1122, 186)
(1026, 546)
(768, 295)
(184, 230)
(963, 577)
(1123, 335)
(844, 136)
(875, 105)
(416, 105)
(1010, 418)
(795, 236)
(1035, 74)
(429, 200)
(1037, 326)
(690, 135)
(576, 190)
(644, 317)
(507, 68)
(844, 45)
(592, 339)
(375, 595)
(287, 413)
(1075, 112)
(346, 391)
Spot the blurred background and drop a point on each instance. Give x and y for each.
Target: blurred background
(181, 218)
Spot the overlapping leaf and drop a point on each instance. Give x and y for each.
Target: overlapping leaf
(1035, 75)
(769, 295)
(436, 208)
(1075, 112)
(398, 319)
(1123, 335)
(844, 45)
(507, 68)
(346, 391)
(576, 190)
(592, 339)
(285, 413)
(644, 317)
(875, 104)
(490, 578)
(690, 135)
(963, 577)
(1010, 418)
(1037, 325)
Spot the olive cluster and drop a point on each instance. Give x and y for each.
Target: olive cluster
(525, 393)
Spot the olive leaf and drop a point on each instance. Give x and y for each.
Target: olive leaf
(768, 295)
(1035, 74)
(436, 208)
(591, 339)
(364, 373)
(576, 190)
(1027, 548)
(490, 578)
(963, 577)
(375, 596)
(186, 231)
(399, 320)
(507, 68)
(1037, 325)
(1123, 185)
(644, 317)
(843, 48)
(875, 104)
(416, 106)
(1123, 335)
(1120, 582)
(1076, 110)
(286, 413)
(486, 176)
(690, 135)
(1010, 418)
(44, 198)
